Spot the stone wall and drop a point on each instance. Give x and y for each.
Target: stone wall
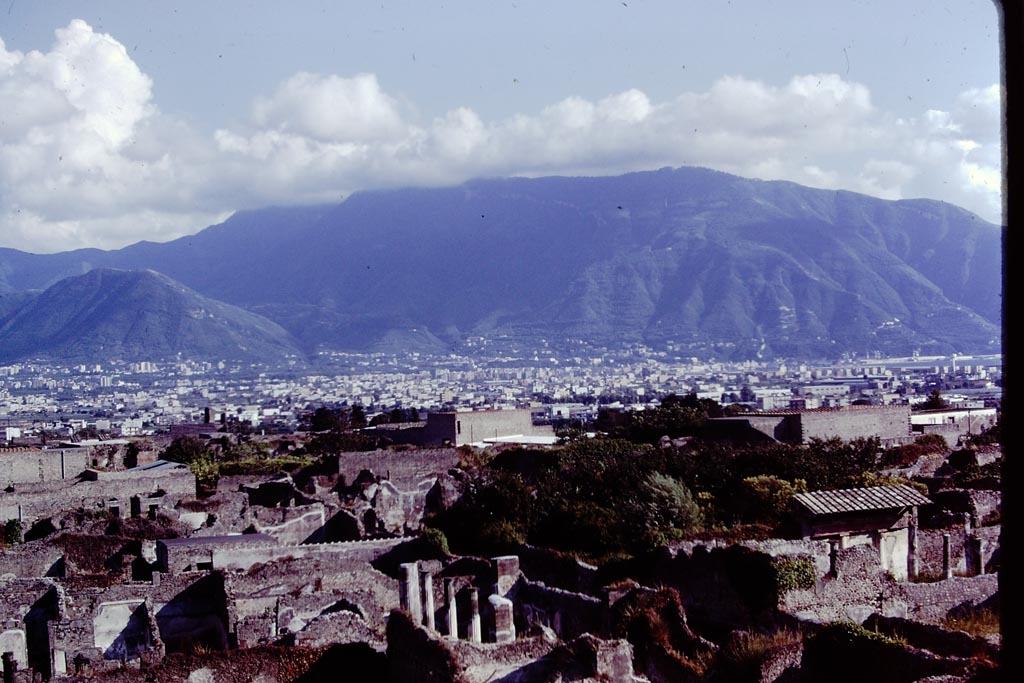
(31, 502)
(32, 560)
(557, 569)
(300, 597)
(237, 554)
(49, 625)
(405, 469)
(415, 655)
(25, 607)
(568, 614)
(289, 525)
(933, 638)
(930, 603)
(460, 428)
(475, 426)
(889, 423)
(23, 465)
(930, 554)
(858, 589)
(861, 588)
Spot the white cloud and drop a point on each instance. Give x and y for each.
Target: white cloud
(330, 108)
(86, 159)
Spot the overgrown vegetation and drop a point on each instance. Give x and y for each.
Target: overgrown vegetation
(675, 416)
(743, 655)
(990, 436)
(655, 624)
(978, 621)
(879, 657)
(12, 532)
(793, 573)
(603, 497)
(908, 454)
(333, 430)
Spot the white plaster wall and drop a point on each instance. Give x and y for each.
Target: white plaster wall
(111, 619)
(855, 539)
(13, 640)
(894, 547)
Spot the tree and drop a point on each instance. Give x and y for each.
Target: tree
(934, 401)
(186, 449)
(667, 509)
(357, 417)
(325, 419)
(766, 498)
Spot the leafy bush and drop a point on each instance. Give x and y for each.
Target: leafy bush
(666, 510)
(766, 498)
(936, 443)
(794, 573)
(13, 532)
(206, 470)
(434, 543)
(186, 449)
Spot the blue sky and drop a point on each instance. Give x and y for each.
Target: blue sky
(125, 121)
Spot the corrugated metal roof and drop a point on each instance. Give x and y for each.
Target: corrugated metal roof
(858, 500)
(158, 465)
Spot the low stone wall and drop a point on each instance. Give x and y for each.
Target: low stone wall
(568, 614)
(930, 603)
(243, 558)
(417, 656)
(313, 585)
(933, 638)
(290, 525)
(557, 569)
(32, 560)
(235, 553)
(405, 469)
(31, 502)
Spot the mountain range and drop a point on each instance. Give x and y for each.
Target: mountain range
(725, 266)
(136, 315)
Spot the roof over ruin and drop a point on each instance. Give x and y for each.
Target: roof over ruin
(859, 500)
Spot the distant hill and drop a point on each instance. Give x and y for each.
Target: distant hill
(134, 315)
(723, 265)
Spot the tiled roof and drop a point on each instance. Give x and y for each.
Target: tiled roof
(858, 500)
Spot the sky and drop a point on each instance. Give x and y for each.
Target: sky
(123, 121)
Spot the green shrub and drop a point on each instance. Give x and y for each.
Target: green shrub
(765, 498)
(13, 532)
(935, 443)
(793, 573)
(435, 543)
